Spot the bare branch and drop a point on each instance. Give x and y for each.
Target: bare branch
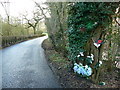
(33, 22)
(38, 5)
(117, 21)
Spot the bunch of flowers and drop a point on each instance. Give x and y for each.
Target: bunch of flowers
(85, 70)
(82, 70)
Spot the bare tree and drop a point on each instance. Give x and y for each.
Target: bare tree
(57, 23)
(33, 22)
(5, 5)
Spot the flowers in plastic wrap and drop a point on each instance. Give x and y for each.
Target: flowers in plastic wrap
(76, 66)
(82, 70)
(89, 71)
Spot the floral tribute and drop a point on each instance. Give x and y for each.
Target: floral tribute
(98, 43)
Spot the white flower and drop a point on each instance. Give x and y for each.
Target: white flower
(97, 45)
(81, 53)
(86, 66)
(96, 23)
(118, 64)
(88, 56)
(80, 64)
(78, 55)
(91, 62)
(100, 62)
(92, 56)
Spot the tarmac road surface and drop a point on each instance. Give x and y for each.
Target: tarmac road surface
(24, 66)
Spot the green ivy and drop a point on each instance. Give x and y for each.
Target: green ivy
(83, 19)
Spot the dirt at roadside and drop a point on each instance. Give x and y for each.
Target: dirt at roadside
(68, 79)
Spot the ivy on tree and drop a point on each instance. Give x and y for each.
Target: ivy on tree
(83, 19)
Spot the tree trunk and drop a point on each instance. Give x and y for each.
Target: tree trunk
(34, 30)
(97, 52)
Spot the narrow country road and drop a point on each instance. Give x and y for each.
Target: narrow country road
(24, 66)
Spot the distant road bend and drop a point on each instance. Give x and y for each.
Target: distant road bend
(24, 66)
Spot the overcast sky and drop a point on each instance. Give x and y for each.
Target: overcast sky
(18, 7)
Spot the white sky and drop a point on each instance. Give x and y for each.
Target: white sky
(19, 7)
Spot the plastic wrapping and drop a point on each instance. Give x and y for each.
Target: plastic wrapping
(83, 70)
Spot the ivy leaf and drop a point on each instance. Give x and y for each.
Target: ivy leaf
(89, 26)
